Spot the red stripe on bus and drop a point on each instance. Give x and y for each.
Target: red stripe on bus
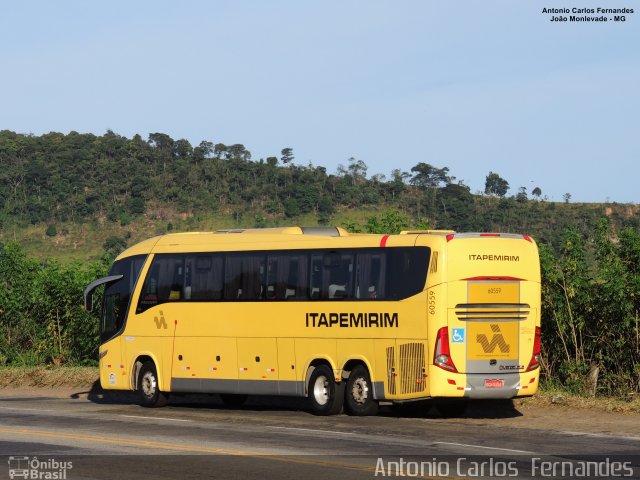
(383, 240)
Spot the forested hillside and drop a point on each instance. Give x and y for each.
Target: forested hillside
(55, 182)
(64, 189)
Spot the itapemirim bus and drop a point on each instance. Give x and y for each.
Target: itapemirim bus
(343, 319)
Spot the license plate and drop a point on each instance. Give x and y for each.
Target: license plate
(494, 383)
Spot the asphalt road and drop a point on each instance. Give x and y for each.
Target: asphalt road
(196, 437)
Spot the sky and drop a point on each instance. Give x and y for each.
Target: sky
(474, 86)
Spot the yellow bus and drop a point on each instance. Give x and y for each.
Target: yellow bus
(347, 320)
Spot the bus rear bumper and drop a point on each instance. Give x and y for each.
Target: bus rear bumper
(488, 386)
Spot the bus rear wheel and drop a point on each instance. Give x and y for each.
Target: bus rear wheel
(326, 397)
(148, 389)
(359, 395)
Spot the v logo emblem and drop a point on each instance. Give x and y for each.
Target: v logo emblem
(160, 322)
(496, 341)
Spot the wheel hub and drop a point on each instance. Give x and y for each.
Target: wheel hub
(149, 384)
(360, 390)
(321, 390)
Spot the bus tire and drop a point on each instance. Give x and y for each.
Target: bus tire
(148, 389)
(359, 393)
(233, 400)
(452, 409)
(326, 397)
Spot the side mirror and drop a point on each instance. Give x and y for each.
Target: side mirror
(88, 292)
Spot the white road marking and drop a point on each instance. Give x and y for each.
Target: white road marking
(314, 430)
(600, 435)
(28, 409)
(487, 448)
(157, 418)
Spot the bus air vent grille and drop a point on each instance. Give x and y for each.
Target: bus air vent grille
(411, 367)
(391, 370)
(492, 311)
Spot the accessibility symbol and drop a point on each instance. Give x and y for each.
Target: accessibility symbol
(457, 335)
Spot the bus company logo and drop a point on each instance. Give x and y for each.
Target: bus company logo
(33, 468)
(160, 321)
(495, 258)
(496, 341)
(352, 320)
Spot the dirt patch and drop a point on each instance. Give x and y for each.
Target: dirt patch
(48, 377)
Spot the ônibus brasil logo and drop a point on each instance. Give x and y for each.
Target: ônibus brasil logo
(33, 468)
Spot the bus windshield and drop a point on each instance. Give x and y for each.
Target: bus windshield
(117, 295)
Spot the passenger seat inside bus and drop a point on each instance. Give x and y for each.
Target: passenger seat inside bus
(337, 291)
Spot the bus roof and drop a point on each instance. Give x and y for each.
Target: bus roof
(291, 238)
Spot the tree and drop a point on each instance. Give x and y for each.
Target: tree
(428, 176)
(522, 195)
(566, 197)
(291, 208)
(183, 148)
(357, 169)
(536, 192)
(495, 185)
(114, 245)
(219, 149)
(287, 155)
(398, 182)
(202, 151)
(161, 141)
(326, 208)
(238, 151)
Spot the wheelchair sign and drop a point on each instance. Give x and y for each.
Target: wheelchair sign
(457, 335)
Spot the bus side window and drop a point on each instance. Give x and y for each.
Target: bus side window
(204, 278)
(244, 277)
(164, 282)
(297, 278)
(175, 291)
(406, 271)
(340, 273)
(149, 293)
(286, 276)
(370, 276)
(331, 276)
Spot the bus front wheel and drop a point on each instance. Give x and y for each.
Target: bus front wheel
(325, 395)
(359, 395)
(148, 389)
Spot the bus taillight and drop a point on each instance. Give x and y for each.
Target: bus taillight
(442, 355)
(535, 357)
